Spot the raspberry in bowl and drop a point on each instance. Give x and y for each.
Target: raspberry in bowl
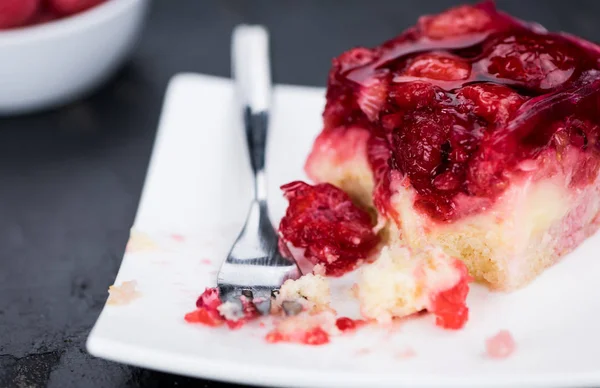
(54, 51)
(23, 13)
(473, 132)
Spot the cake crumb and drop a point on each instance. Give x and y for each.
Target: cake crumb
(123, 294)
(206, 261)
(140, 242)
(312, 292)
(501, 345)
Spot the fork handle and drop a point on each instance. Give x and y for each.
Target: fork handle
(252, 74)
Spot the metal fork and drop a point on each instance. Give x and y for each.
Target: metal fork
(254, 267)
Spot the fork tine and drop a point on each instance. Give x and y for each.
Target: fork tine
(262, 300)
(229, 293)
(291, 308)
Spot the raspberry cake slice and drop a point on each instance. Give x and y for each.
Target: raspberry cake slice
(473, 132)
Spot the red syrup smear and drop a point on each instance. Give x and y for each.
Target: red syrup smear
(460, 99)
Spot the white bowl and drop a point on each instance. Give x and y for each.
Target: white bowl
(51, 64)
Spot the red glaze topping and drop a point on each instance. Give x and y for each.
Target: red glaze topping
(323, 220)
(463, 97)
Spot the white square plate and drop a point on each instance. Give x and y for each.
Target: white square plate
(192, 208)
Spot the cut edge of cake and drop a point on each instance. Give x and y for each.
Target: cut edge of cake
(534, 223)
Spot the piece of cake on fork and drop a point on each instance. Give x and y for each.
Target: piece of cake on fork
(473, 132)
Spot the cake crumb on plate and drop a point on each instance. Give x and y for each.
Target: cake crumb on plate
(501, 345)
(123, 294)
(140, 242)
(312, 292)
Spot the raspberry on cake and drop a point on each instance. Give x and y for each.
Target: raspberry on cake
(474, 132)
(400, 283)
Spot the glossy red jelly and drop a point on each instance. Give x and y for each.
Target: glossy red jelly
(323, 221)
(460, 99)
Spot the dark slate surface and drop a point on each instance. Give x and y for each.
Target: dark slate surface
(70, 179)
